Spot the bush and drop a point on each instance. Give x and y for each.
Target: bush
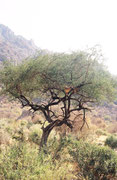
(35, 134)
(111, 142)
(107, 118)
(101, 132)
(24, 162)
(34, 137)
(66, 158)
(95, 163)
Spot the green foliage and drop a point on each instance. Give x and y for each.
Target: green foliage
(95, 162)
(34, 137)
(101, 132)
(107, 118)
(111, 142)
(24, 162)
(34, 76)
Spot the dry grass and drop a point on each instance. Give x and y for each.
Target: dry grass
(5, 138)
(112, 128)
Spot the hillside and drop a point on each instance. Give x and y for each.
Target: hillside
(13, 47)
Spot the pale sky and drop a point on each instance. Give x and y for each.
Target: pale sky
(65, 25)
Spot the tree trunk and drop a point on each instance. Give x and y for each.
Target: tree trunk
(46, 132)
(44, 138)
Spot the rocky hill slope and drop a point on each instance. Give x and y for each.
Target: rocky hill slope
(14, 47)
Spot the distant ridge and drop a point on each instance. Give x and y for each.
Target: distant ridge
(13, 47)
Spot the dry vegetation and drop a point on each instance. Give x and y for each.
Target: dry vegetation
(19, 129)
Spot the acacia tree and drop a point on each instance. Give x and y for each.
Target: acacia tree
(58, 86)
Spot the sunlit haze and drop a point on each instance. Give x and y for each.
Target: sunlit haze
(65, 25)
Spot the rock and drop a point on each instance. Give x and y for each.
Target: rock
(14, 47)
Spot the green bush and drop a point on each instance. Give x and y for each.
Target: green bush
(95, 163)
(111, 142)
(24, 162)
(34, 137)
(107, 118)
(101, 132)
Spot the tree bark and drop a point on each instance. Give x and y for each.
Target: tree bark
(44, 138)
(46, 132)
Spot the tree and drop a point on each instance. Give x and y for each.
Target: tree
(58, 86)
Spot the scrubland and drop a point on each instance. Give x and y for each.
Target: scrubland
(89, 154)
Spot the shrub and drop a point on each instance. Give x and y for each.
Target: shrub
(24, 162)
(111, 142)
(20, 134)
(101, 132)
(34, 137)
(95, 163)
(107, 118)
(35, 134)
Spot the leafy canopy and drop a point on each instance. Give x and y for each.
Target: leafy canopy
(34, 77)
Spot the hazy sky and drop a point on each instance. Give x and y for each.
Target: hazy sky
(63, 25)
